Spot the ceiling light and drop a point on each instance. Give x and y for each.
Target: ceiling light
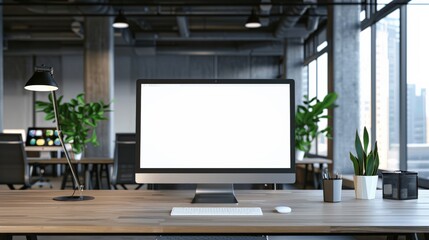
(253, 21)
(120, 20)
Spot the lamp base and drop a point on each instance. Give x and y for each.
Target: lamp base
(73, 198)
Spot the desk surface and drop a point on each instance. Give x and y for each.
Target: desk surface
(148, 212)
(64, 161)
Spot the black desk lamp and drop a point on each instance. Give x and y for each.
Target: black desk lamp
(43, 81)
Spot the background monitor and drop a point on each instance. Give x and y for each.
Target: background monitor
(215, 132)
(42, 139)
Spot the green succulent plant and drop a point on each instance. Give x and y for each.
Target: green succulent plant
(365, 163)
(307, 118)
(78, 119)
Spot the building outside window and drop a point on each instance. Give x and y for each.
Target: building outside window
(417, 85)
(387, 90)
(365, 80)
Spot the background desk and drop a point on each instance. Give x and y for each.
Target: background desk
(317, 176)
(89, 164)
(148, 212)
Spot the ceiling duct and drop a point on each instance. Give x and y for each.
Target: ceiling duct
(77, 28)
(124, 36)
(225, 51)
(265, 11)
(249, 49)
(42, 36)
(182, 23)
(312, 23)
(70, 7)
(293, 14)
(208, 36)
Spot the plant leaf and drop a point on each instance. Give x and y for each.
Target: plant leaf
(355, 164)
(365, 140)
(359, 153)
(376, 159)
(369, 164)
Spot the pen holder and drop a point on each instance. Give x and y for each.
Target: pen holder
(332, 189)
(400, 185)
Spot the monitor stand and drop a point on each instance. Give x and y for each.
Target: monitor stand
(214, 193)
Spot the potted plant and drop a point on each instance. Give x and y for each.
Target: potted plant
(78, 120)
(365, 166)
(307, 118)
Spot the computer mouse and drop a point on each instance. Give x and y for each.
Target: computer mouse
(283, 209)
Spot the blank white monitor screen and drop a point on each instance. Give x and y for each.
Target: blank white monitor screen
(211, 127)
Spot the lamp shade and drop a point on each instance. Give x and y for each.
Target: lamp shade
(41, 81)
(120, 21)
(253, 21)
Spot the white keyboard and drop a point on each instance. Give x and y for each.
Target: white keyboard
(216, 211)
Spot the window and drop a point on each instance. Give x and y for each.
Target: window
(318, 87)
(312, 79)
(387, 78)
(316, 65)
(322, 91)
(417, 85)
(365, 80)
(387, 90)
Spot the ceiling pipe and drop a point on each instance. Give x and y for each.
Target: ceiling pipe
(43, 36)
(77, 28)
(293, 14)
(75, 8)
(44, 51)
(312, 23)
(209, 36)
(125, 35)
(182, 23)
(209, 51)
(227, 51)
(265, 11)
(129, 38)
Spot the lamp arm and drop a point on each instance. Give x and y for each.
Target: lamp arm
(61, 137)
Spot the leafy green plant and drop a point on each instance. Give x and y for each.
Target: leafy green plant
(78, 119)
(365, 163)
(306, 120)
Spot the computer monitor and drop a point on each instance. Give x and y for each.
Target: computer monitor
(215, 132)
(43, 140)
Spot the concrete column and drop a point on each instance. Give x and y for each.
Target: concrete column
(343, 74)
(1, 70)
(293, 64)
(98, 77)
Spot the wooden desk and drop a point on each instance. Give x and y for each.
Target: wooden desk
(148, 212)
(309, 162)
(88, 163)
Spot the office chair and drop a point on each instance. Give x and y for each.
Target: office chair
(14, 168)
(124, 161)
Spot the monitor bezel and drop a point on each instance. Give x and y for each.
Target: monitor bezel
(162, 171)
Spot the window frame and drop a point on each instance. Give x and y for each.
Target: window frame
(312, 55)
(374, 16)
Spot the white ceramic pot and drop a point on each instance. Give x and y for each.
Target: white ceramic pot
(365, 186)
(299, 155)
(77, 156)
